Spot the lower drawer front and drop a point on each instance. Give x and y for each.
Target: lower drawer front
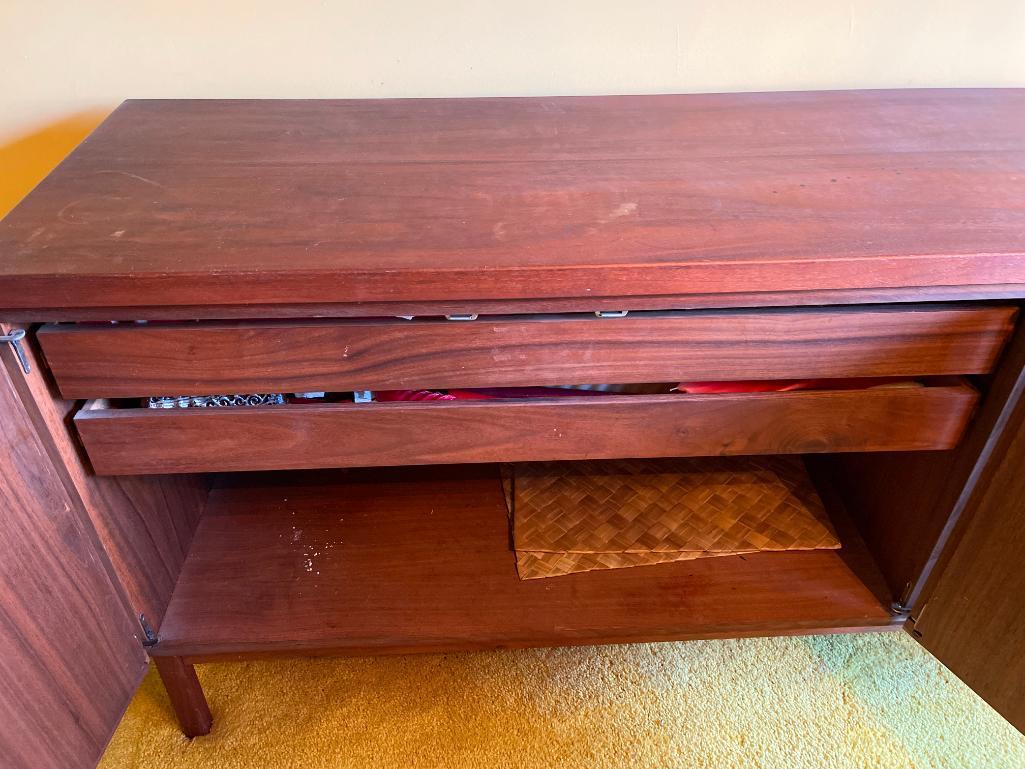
(133, 440)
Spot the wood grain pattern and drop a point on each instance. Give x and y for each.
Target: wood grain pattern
(121, 441)
(972, 617)
(69, 656)
(256, 203)
(144, 523)
(392, 561)
(299, 356)
(907, 504)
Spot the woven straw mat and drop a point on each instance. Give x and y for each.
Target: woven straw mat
(579, 516)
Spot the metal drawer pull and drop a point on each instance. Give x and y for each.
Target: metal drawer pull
(611, 313)
(463, 316)
(14, 340)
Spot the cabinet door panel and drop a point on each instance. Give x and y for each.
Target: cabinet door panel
(973, 616)
(69, 656)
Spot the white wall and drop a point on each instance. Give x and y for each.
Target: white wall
(62, 56)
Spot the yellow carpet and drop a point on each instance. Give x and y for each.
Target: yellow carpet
(871, 700)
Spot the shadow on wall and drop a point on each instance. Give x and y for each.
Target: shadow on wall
(26, 160)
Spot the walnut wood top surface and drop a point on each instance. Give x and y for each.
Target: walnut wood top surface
(286, 202)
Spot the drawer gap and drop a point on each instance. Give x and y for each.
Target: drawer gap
(522, 394)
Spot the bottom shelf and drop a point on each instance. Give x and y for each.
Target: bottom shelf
(418, 559)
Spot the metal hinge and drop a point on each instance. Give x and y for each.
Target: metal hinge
(900, 607)
(14, 340)
(897, 609)
(149, 637)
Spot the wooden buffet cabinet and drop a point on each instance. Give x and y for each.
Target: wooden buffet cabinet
(199, 247)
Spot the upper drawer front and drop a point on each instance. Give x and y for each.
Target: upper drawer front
(299, 356)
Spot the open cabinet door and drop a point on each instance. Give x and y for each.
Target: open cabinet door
(972, 617)
(70, 657)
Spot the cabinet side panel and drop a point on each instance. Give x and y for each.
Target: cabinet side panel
(145, 523)
(894, 499)
(907, 504)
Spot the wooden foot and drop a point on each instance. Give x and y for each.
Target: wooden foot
(186, 695)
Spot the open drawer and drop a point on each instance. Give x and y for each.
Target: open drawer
(140, 440)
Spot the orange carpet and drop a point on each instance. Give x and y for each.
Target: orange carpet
(871, 700)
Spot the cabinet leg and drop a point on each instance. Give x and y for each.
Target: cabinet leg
(186, 695)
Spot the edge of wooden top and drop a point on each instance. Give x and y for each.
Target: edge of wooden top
(689, 279)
